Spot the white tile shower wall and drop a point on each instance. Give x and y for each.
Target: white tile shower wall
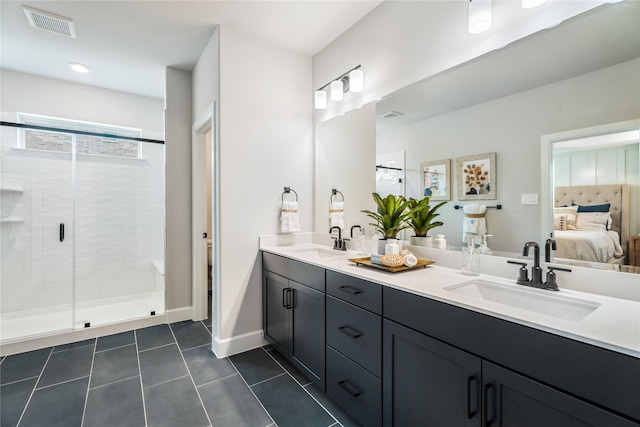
(119, 226)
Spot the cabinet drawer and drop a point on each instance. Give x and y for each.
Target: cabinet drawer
(356, 333)
(297, 271)
(355, 389)
(364, 294)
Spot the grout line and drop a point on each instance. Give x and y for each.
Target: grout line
(74, 348)
(219, 379)
(304, 388)
(268, 379)
(34, 387)
(144, 406)
(167, 381)
(18, 381)
(113, 382)
(160, 346)
(62, 382)
(191, 378)
(114, 348)
(335, 424)
(251, 390)
(86, 397)
(200, 346)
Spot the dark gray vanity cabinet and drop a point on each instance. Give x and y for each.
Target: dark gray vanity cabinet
(427, 382)
(433, 383)
(294, 313)
(354, 346)
(457, 367)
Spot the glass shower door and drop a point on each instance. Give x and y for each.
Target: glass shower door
(119, 213)
(36, 234)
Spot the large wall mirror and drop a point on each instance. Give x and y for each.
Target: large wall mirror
(581, 74)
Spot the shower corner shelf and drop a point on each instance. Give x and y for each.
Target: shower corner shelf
(12, 220)
(11, 189)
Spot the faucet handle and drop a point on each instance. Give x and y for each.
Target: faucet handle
(551, 284)
(523, 274)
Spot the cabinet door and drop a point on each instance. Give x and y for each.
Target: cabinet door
(511, 400)
(276, 315)
(307, 343)
(427, 382)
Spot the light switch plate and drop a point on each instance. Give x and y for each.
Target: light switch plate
(529, 198)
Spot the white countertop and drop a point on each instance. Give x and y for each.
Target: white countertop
(614, 325)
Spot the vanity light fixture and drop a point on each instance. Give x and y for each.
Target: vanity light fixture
(530, 4)
(337, 90)
(351, 81)
(79, 68)
(479, 16)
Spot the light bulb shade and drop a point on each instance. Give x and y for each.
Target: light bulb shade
(320, 100)
(356, 80)
(337, 90)
(530, 4)
(479, 16)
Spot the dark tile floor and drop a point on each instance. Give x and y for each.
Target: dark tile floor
(165, 375)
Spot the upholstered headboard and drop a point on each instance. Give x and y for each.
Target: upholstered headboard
(617, 195)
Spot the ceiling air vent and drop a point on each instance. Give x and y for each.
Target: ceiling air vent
(391, 115)
(50, 22)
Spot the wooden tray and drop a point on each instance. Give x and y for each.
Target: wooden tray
(422, 263)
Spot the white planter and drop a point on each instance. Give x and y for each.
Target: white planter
(421, 241)
(380, 244)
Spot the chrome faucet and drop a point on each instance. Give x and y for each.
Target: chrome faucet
(340, 244)
(550, 244)
(536, 271)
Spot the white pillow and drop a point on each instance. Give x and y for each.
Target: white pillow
(593, 221)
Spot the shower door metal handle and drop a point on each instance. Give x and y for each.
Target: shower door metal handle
(61, 231)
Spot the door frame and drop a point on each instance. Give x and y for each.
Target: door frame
(206, 122)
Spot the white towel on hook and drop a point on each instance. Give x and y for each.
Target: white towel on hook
(289, 218)
(336, 214)
(474, 226)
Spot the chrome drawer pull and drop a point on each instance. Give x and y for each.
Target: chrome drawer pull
(350, 290)
(349, 331)
(352, 390)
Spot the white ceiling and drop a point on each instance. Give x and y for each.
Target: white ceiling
(128, 44)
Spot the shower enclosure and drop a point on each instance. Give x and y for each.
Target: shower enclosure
(82, 228)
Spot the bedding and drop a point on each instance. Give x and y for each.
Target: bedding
(596, 245)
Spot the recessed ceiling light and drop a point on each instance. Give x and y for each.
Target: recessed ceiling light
(79, 68)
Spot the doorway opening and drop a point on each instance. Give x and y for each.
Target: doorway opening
(205, 219)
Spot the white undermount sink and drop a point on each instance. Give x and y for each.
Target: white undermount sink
(538, 301)
(317, 252)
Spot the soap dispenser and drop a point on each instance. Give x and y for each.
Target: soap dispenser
(483, 249)
(470, 259)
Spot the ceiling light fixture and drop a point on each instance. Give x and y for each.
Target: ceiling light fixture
(351, 81)
(479, 16)
(79, 68)
(530, 4)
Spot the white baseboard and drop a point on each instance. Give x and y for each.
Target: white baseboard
(179, 314)
(229, 346)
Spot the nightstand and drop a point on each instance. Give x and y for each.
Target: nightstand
(634, 250)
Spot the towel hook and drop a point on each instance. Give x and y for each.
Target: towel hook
(288, 190)
(335, 192)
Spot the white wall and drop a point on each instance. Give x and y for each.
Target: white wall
(402, 42)
(512, 127)
(178, 178)
(345, 161)
(206, 76)
(265, 145)
(29, 93)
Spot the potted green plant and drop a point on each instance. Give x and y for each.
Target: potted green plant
(391, 217)
(421, 218)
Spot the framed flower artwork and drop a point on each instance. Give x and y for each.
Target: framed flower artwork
(436, 179)
(477, 177)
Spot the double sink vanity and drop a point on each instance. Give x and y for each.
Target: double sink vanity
(432, 346)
